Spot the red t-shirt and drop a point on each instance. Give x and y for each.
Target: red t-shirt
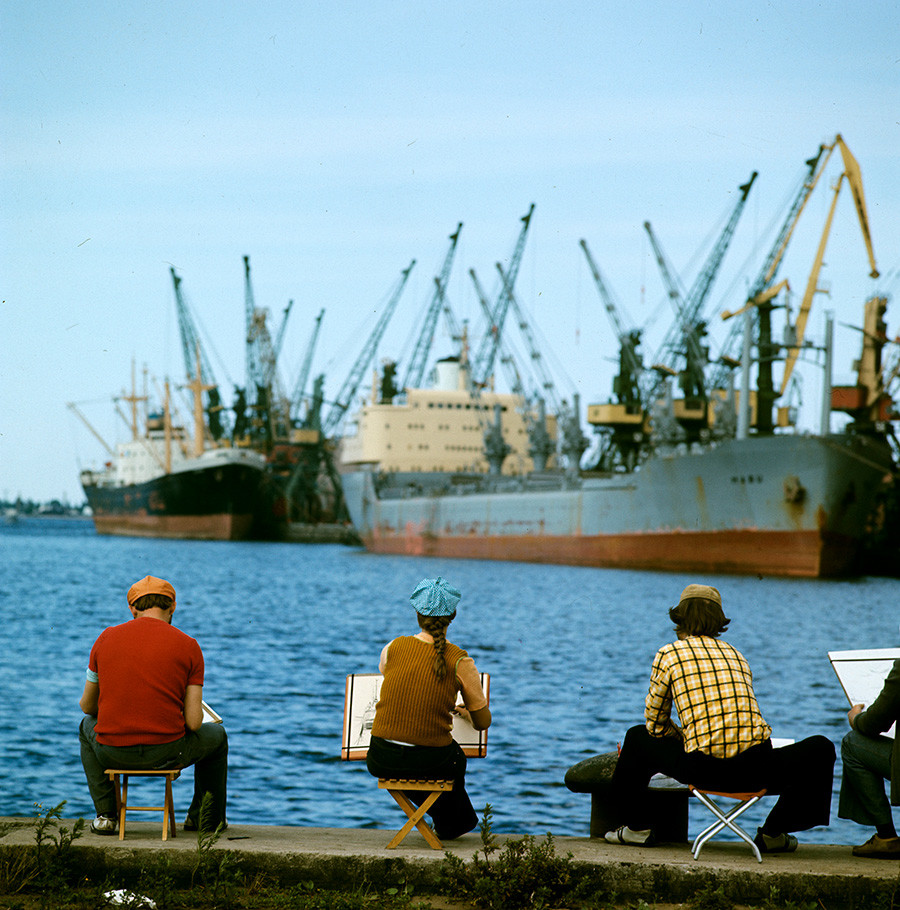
(144, 668)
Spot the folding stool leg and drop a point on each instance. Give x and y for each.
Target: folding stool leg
(416, 818)
(724, 820)
(122, 796)
(168, 811)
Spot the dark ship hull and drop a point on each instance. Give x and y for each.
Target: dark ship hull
(205, 499)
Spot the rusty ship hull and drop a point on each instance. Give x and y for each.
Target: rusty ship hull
(789, 505)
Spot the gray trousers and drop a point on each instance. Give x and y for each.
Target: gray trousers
(867, 765)
(206, 749)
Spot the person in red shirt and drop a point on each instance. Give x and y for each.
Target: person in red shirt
(143, 701)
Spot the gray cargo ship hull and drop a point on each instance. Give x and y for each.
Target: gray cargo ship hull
(781, 505)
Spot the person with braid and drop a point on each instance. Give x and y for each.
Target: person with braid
(423, 674)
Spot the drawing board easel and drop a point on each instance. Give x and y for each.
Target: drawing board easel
(361, 696)
(862, 673)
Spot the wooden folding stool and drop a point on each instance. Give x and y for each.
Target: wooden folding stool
(725, 819)
(119, 777)
(416, 815)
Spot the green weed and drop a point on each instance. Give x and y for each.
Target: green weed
(520, 875)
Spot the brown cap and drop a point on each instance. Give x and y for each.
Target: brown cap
(706, 591)
(150, 585)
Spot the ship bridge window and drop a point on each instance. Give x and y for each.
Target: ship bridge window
(748, 478)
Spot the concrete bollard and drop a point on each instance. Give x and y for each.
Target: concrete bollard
(668, 799)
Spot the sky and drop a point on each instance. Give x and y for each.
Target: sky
(334, 143)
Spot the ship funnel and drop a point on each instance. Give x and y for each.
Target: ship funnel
(446, 375)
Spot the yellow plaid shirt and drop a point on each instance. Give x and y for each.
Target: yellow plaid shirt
(711, 686)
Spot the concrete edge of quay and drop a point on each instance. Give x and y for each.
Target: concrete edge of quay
(349, 858)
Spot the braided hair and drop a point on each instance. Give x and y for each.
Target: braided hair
(436, 627)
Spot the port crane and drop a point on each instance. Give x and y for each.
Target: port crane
(272, 407)
(764, 288)
(418, 361)
(483, 363)
(572, 439)
(196, 363)
(348, 390)
(690, 322)
(303, 376)
(625, 420)
(851, 176)
(496, 448)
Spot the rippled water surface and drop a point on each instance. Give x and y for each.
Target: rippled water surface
(281, 626)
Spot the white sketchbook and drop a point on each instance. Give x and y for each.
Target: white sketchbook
(210, 716)
(862, 673)
(360, 699)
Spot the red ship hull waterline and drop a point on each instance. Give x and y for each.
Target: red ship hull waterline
(792, 506)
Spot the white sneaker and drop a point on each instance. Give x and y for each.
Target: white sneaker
(104, 824)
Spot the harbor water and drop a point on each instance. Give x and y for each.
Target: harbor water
(282, 625)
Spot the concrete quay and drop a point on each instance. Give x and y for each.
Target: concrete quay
(347, 858)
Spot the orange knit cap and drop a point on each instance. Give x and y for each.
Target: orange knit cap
(150, 585)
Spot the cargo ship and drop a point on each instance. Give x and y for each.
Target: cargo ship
(717, 480)
(164, 483)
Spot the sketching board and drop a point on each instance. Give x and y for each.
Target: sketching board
(360, 698)
(210, 716)
(862, 673)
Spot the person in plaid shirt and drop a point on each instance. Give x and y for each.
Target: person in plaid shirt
(721, 741)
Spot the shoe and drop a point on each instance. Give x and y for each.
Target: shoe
(625, 835)
(879, 848)
(780, 843)
(104, 824)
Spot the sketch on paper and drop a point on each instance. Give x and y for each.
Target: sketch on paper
(361, 697)
(862, 673)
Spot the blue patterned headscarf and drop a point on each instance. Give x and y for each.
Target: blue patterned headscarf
(435, 597)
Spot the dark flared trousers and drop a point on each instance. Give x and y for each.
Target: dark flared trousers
(800, 775)
(206, 749)
(452, 813)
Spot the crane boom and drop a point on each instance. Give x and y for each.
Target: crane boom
(514, 377)
(419, 360)
(483, 364)
(853, 177)
(624, 338)
(365, 358)
(190, 337)
(815, 168)
(547, 385)
(303, 377)
(691, 308)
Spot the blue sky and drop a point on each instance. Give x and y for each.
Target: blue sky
(333, 143)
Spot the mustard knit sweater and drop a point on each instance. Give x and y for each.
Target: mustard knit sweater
(414, 706)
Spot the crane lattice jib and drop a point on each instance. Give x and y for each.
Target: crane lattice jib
(690, 312)
(255, 369)
(483, 364)
(815, 168)
(419, 360)
(279, 336)
(365, 358)
(514, 378)
(302, 379)
(549, 394)
(190, 338)
(633, 364)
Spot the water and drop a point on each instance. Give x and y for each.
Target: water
(281, 626)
